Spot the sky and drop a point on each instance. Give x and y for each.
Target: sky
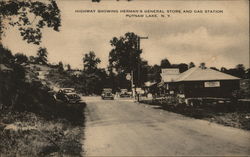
(218, 39)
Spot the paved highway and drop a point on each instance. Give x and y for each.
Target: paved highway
(125, 128)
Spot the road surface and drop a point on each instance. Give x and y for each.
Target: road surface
(124, 128)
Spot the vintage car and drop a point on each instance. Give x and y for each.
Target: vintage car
(73, 98)
(68, 95)
(66, 90)
(124, 93)
(107, 94)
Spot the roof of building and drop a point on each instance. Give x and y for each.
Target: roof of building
(199, 74)
(170, 74)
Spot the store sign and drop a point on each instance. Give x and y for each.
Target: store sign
(212, 84)
(170, 71)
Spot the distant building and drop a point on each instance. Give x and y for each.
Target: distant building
(168, 75)
(198, 82)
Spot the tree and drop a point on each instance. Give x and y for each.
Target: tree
(68, 67)
(191, 65)
(90, 62)
(21, 58)
(29, 17)
(94, 79)
(42, 55)
(182, 67)
(93, 83)
(240, 68)
(6, 56)
(125, 56)
(165, 63)
(154, 73)
(223, 69)
(202, 65)
(32, 59)
(247, 74)
(60, 67)
(102, 81)
(238, 71)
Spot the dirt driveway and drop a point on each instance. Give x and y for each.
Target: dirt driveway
(125, 128)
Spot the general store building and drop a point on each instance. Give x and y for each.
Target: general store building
(199, 82)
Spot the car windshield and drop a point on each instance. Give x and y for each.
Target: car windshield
(107, 89)
(68, 90)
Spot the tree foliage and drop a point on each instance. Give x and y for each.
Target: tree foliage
(94, 79)
(60, 67)
(15, 90)
(154, 73)
(238, 71)
(191, 65)
(6, 56)
(90, 62)
(125, 54)
(42, 55)
(165, 63)
(125, 58)
(182, 67)
(29, 17)
(21, 58)
(202, 65)
(69, 67)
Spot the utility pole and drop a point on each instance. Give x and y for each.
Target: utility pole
(138, 64)
(132, 83)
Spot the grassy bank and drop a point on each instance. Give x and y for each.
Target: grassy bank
(234, 115)
(32, 134)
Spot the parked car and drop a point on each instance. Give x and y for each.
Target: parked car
(124, 93)
(67, 90)
(73, 98)
(68, 95)
(107, 94)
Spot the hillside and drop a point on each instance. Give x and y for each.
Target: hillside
(32, 121)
